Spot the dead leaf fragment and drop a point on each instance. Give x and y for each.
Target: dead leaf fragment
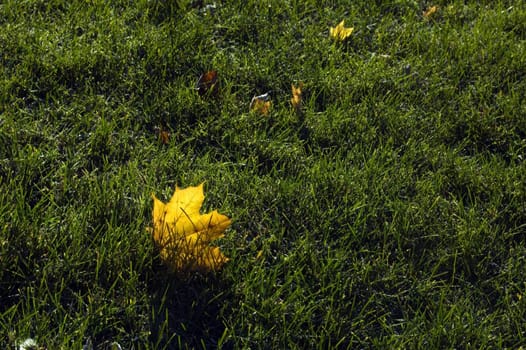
(261, 104)
(163, 133)
(164, 136)
(207, 83)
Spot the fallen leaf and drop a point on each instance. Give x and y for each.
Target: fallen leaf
(340, 33)
(430, 12)
(183, 235)
(207, 83)
(296, 96)
(164, 135)
(261, 104)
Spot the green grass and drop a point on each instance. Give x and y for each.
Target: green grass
(392, 214)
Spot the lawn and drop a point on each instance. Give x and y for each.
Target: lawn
(388, 210)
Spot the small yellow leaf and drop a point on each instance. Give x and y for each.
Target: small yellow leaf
(340, 33)
(261, 104)
(296, 96)
(430, 12)
(183, 234)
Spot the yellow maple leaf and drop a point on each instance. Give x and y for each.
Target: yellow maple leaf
(183, 234)
(340, 33)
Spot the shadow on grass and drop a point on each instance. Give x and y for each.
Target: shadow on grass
(186, 310)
